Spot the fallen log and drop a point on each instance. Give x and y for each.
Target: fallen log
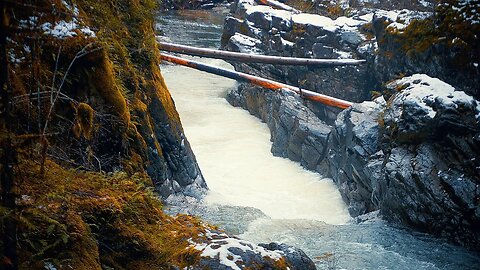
(266, 83)
(278, 5)
(252, 58)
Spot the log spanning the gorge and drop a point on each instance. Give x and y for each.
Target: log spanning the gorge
(279, 5)
(252, 58)
(269, 84)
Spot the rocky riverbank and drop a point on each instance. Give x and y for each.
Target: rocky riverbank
(383, 154)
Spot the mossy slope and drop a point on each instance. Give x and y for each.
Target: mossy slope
(134, 125)
(81, 220)
(96, 135)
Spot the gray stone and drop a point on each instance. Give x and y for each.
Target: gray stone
(260, 20)
(352, 38)
(294, 256)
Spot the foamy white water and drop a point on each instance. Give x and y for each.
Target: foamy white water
(233, 150)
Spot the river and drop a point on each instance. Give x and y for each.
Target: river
(263, 198)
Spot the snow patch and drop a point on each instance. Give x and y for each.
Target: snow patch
(348, 22)
(315, 20)
(245, 43)
(367, 17)
(65, 29)
(73, 8)
(400, 19)
(218, 245)
(343, 54)
(423, 91)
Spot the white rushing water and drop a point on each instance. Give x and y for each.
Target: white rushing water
(233, 150)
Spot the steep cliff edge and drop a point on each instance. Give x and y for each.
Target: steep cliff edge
(87, 74)
(383, 155)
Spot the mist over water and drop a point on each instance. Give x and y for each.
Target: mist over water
(264, 198)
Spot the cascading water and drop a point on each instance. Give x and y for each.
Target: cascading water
(265, 198)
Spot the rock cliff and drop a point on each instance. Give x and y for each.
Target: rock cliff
(413, 158)
(383, 155)
(103, 101)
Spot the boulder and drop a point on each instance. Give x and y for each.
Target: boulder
(413, 158)
(221, 251)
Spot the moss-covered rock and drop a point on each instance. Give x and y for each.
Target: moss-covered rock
(444, 45)
(86, 73)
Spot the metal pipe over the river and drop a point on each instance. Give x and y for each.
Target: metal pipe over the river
(266, 83)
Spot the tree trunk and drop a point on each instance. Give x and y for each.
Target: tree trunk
(253, 58)
(9, 229)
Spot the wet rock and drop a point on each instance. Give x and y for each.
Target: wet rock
(296, 131)
(304, 35)
(413, 158)
(405, 161)
(260, 19)
(427, 106)
(354, 152)
(294, 256)
(352, 38)
(221, 251)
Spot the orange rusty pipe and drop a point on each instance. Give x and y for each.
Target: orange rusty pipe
(266, 83)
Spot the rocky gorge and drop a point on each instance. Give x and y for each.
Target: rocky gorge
(95, 155)
(410, 153)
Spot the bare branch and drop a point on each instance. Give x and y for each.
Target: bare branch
(78, 55)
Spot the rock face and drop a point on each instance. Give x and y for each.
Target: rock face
(413, 157)
(297, 133)
(355, 157)
(444, 46)
(432, 137)
(265, 30)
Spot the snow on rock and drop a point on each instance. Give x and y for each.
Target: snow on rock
(343, 54)
(259, 8)
(340, 24)
(400, 19)
(65, 29)
(243, 5)
(315, 20)
(348, 22)
(244, 44)
(429, 93)
(468, 10)
(226, 249)
(270, 12)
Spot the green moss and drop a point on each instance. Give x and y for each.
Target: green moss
(91, 221)
(447, 29)
(84, 121)
(67, 216)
